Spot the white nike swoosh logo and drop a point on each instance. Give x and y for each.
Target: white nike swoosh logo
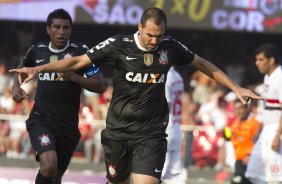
(95, 71)
(39, 60)
(158, 171)
(130, 58)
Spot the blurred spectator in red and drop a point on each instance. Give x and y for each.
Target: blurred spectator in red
(105, 99)
(16, 129)
(93, 147)
(4, 79)
(91, 100)
(25, 145)
(86, 132)
(7, 104)
(202, 85)
(229, 107)
(189, 117)
(4, 137)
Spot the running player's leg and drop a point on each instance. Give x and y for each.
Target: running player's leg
(118, 160)
(66, 143)
(239, 174)
(43, 141)
(48, 163)
(127, 181)
(145, 179)
(148, 160)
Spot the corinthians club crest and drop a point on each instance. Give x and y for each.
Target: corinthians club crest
(112, 170)
(163, 57)
(44, 140)
(148, 59)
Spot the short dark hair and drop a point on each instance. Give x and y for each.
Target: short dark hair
(269, 50)
(58, 13)
(156, 14)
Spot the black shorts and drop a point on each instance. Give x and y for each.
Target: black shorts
(45, 137)
(137, 156)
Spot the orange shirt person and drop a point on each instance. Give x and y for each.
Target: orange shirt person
(244, 129)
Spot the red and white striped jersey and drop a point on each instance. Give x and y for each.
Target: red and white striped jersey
(272, 95)
(174, 89)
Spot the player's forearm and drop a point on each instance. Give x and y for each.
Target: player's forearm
(279, 131)
(67, 64)
(215, 73)
(94, 84)
(222, 78)
(16, 83)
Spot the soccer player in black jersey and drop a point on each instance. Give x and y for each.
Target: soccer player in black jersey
(53, 122)
(134, 139)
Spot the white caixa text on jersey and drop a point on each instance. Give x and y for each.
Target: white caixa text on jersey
(145, 77)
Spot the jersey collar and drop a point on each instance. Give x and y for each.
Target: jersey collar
(59, 50)
(138, 43)
(275, 73)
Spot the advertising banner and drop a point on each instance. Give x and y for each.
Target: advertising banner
(263, 16)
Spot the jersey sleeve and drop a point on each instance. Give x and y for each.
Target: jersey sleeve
(280, 92)
(185, 55)
(104, 51)
(28, 60)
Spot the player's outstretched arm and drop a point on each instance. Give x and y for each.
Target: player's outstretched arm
(276, 142)
(215, 73)
(64, 65)
(17, 92)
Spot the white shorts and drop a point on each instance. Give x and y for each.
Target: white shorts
(265, 164)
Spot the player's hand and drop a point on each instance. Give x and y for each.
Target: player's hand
(276, 143)
(245, 95)
(31, 73)
(18, 94)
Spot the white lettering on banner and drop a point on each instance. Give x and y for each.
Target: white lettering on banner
(268, 7)
(100, 14)
(117, 15)
(238, 20)
(133, 14)
(145, 78)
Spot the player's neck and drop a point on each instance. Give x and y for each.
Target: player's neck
(271, 70)
(140, 41)
(56, 50)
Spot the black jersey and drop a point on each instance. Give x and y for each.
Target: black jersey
(138, 107)
(56, 97)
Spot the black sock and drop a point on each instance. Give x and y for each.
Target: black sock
(40, 179)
